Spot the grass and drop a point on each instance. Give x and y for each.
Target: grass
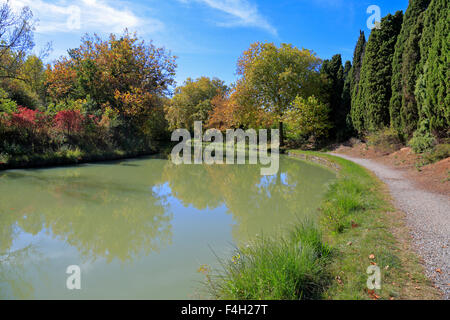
(358, 227)
(285, 268)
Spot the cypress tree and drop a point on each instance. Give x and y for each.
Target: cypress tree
(333, 72)
(358, 55)
(432, 92)
(375, 84)
(346, 100)
(403, 106)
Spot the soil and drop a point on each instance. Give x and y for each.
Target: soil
(433, 177)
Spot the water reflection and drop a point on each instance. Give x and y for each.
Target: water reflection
(125, 211)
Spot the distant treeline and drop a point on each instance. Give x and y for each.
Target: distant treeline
(116, 95)
(400, 76)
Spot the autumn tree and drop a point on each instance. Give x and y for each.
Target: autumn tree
(123, 73)
(193, 102)
(274, 76)
(122, 76)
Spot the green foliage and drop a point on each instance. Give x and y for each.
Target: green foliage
(355, 76)
(333, 71)
(275, 76)
(307, 118)
(192, 102)
(284, 268)
(403, 107)
(432, 91)
(374, 93)
(347, 130)
(422, 140)
(385, 140)
(6, 105)
(438, 153)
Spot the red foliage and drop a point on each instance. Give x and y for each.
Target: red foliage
(69, 121)
(25, 118)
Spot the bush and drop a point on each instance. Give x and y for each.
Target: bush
(290, 268)
(439, 152)
(386, 140)
(422, 140)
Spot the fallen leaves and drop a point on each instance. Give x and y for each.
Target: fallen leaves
(372, 257)
(373, 295)
(354, 225)
(439, 271)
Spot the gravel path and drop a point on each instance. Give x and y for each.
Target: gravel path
(428, 216)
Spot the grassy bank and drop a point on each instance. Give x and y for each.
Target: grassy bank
(356, 227)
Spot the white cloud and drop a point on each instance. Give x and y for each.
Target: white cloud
(239, 12)
(86, 16)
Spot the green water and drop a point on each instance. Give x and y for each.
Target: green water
(140, 229)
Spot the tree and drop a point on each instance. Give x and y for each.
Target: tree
(308, 117)
(16, 39)
(347, 130)
(273, 77)
(432, 91)
(193, 102)
(355, 76)
(123, 73)
(374, 91)
(122, 76)
(333, 72)
(403, 106)
(222, 116)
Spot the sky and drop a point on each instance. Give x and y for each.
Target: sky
(208, 36)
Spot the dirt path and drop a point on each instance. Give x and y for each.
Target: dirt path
(428, 216)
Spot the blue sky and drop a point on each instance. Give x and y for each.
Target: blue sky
(208, 36)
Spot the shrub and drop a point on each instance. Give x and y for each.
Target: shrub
(438, 153)
(68, 121)
(422, 140)
(386, 140)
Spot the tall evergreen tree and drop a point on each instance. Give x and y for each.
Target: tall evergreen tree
(358, 55)
(403, 106)
(432, 92)
(375, 84)
(333, 71)
(346, 101)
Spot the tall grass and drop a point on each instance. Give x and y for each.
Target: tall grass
(278, 268)
(345, 199)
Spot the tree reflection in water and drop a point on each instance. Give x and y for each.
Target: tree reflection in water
(122, 210)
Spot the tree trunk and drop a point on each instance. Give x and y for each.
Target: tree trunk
(281, 134)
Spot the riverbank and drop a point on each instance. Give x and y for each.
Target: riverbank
(427, 218)
(74, 157)
(359, 228)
